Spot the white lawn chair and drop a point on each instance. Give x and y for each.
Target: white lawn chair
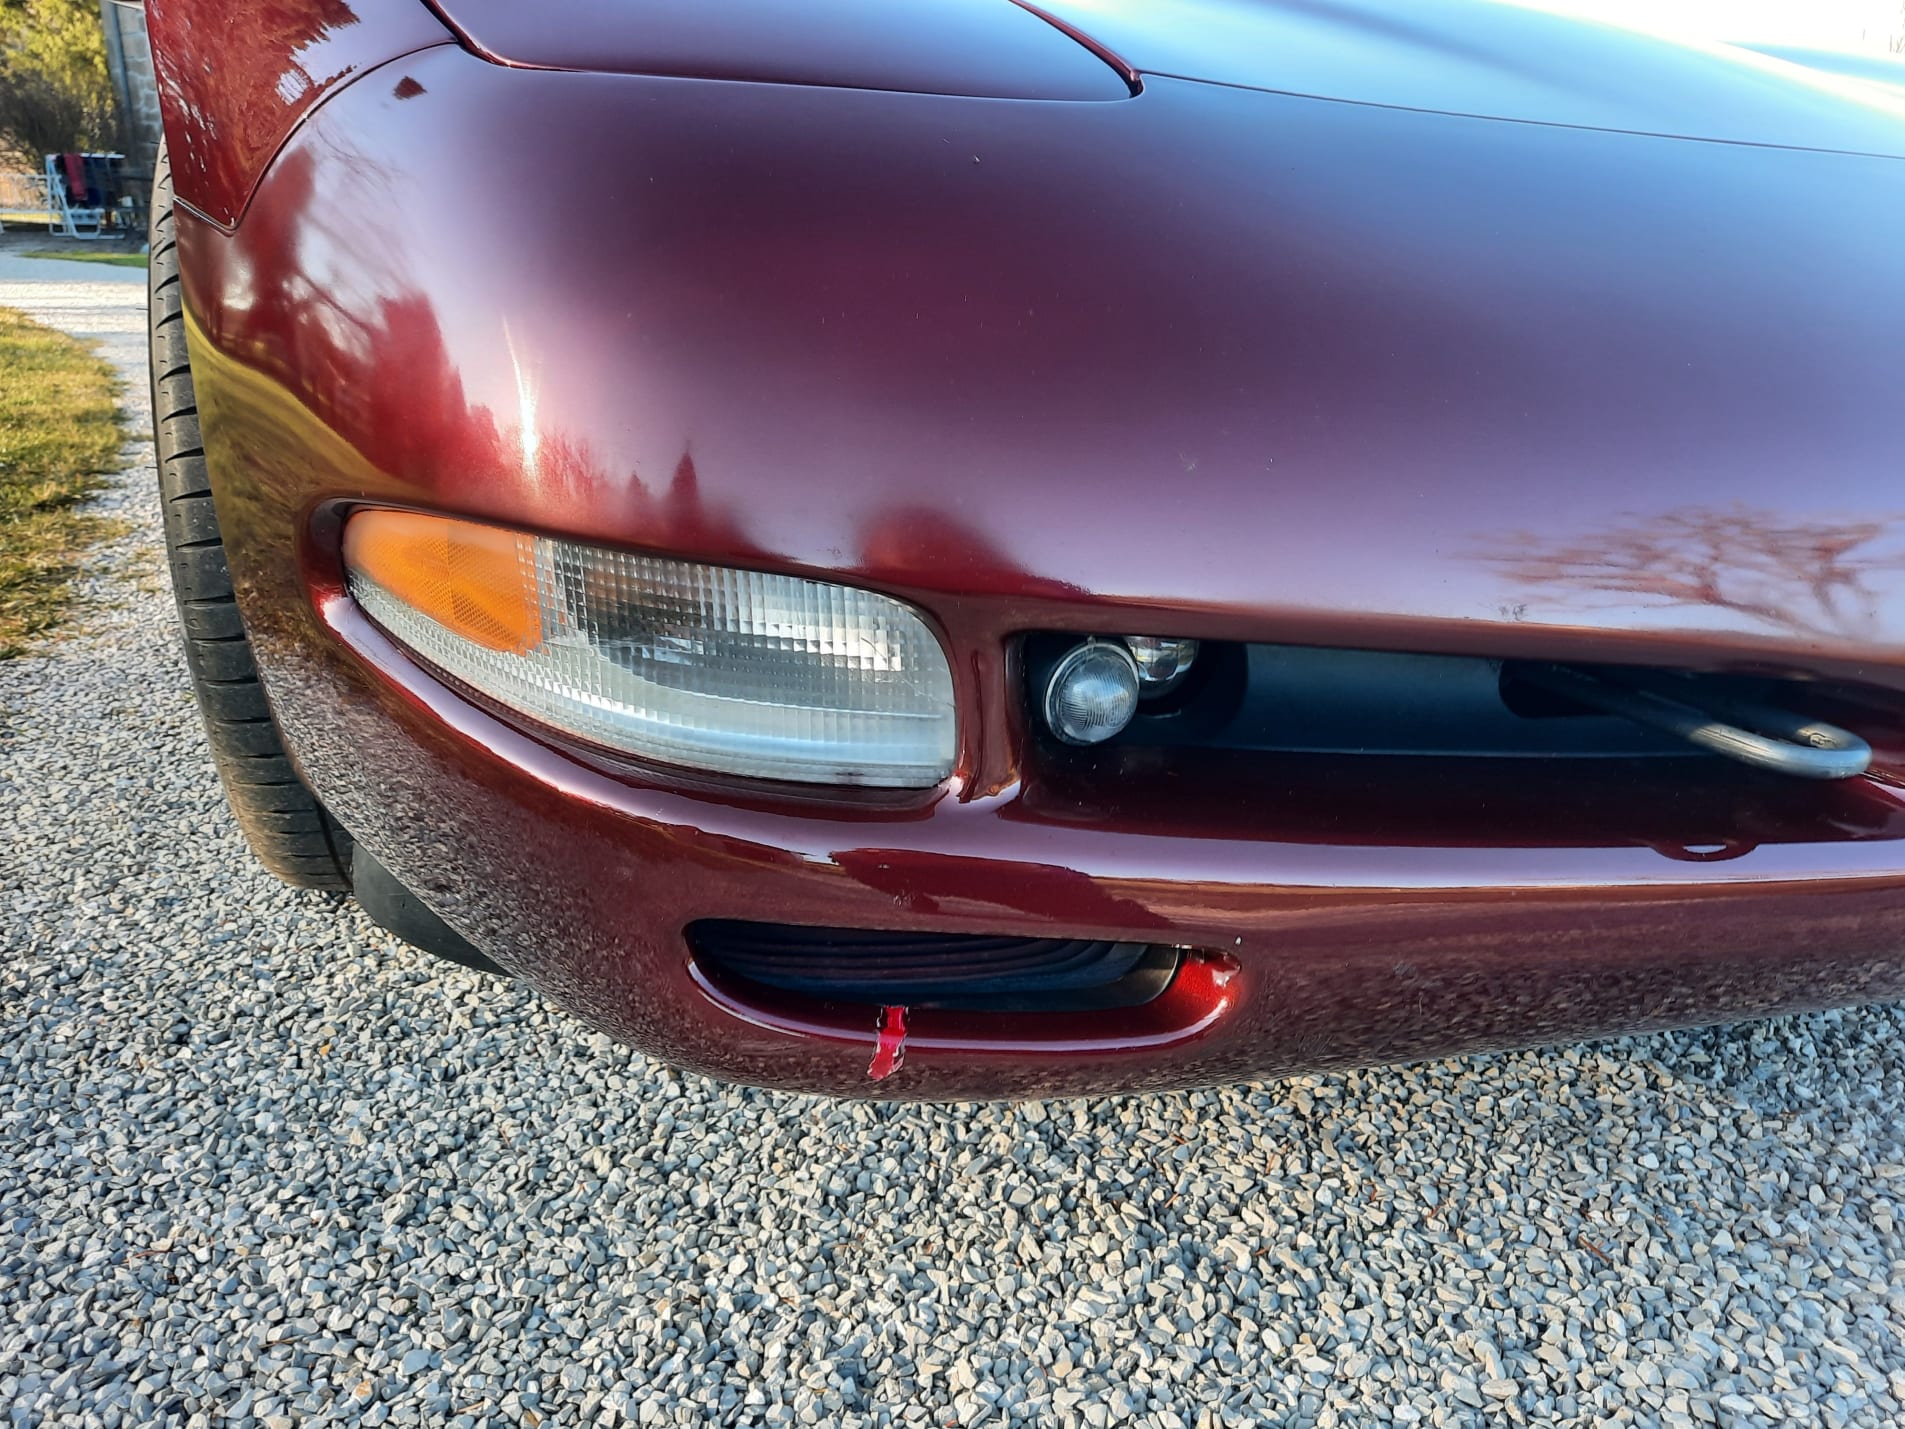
(75, 221)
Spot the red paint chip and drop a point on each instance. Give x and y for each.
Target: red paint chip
(891, 1051)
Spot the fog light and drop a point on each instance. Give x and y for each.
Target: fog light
(1163, 662)
(1092, 692)
(737, 671)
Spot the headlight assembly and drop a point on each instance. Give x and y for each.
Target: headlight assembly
(770, 676)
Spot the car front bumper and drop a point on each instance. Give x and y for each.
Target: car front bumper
(844, 354)
(583, 878)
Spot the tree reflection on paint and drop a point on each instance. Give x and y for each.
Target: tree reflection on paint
(1813, 578)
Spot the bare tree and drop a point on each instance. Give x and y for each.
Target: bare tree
(38, 115)
(1808, 577)
(55, 94)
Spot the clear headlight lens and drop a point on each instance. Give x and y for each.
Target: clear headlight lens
(769, 676)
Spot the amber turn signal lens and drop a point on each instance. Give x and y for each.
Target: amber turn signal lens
(477, 581)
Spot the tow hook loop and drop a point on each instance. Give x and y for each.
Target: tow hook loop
(1752, 733)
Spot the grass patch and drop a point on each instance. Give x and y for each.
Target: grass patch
(89, 255)
(60, 435)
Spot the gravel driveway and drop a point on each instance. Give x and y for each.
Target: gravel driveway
(260, 1164)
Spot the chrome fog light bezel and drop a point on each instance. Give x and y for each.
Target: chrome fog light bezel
(1164, 662)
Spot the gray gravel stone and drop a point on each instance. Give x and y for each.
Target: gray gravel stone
(259, 1163)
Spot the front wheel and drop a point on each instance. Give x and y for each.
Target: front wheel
(281, 818)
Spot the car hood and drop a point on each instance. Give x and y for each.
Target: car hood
(1505, 61)
(1205, 360)
(986, 49)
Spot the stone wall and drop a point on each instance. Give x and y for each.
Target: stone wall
(129, 57)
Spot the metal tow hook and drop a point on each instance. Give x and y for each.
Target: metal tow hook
(1746, 730)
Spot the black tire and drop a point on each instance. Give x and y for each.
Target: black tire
(281, 818)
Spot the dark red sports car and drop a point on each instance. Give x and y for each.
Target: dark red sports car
(969, 548)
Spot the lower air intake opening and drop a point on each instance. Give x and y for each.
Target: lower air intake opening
(967, 972)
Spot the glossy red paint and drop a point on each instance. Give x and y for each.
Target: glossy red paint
(1202, 361)
(979, 48)
(1315, 954)
(234, 81)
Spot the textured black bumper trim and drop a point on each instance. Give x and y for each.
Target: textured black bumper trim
(953, 970)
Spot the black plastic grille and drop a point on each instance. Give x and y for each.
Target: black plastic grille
(1001, 974)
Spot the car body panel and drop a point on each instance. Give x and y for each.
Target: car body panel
(1311, 955)
(979, 48)
(233, 85)
(952, 357)
(1500, 60)
(1207, 361)
(1887, 69)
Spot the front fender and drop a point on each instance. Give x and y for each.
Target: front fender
(236, 79)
